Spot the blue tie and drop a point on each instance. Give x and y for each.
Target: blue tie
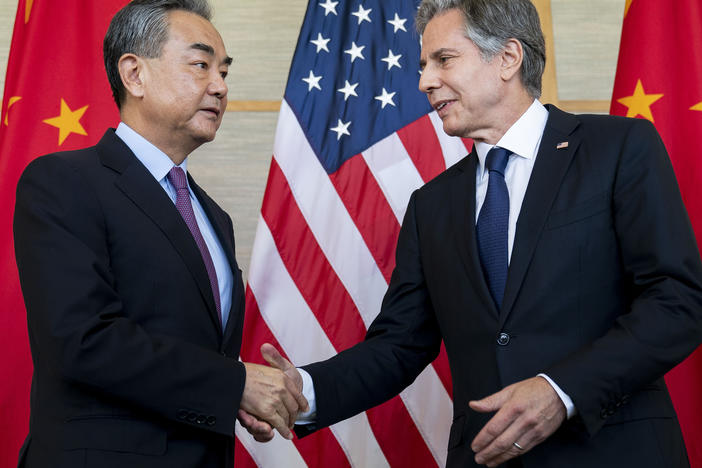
(493, 225)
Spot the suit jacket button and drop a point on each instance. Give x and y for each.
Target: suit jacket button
(503, 339)
(201, 419)
(211, 421)
(603, 413)
(192, 417)
(182, 414)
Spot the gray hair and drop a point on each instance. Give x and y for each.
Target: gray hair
(141, 28)
(490, 24)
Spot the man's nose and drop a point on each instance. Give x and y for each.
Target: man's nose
(218, 86)
(428, 80)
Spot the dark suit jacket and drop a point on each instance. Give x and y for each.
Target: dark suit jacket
(604, 295)
(131, 367)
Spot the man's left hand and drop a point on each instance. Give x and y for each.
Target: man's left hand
(527, 413)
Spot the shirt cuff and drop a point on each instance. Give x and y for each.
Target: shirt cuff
(307, 417)
(567, 401)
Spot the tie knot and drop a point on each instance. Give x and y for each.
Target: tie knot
(497, 160)
(176, 176)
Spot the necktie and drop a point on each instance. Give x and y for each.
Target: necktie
(493, 225)
(177, 178)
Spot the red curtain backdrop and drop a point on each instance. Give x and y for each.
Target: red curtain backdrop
(56, 98)
(659, 78)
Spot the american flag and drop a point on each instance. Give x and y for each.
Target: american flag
(355, 137)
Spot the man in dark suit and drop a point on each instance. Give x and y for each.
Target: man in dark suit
(556, 262)
(134, 298)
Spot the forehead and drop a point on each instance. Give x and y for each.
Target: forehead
(445, 30)
(187, 28)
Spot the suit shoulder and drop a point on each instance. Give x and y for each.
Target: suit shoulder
(598, 123)
(74, 159)
(441, 181)
(62, 173)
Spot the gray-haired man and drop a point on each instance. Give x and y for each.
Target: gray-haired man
(556, 262)
(134, 298)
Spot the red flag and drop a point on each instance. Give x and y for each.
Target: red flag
(56, 98)
(659, 78)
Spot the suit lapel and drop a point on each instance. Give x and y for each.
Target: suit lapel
(220, 225)
(139, 186)
(221, 228)
(463, 215)
(549, 169)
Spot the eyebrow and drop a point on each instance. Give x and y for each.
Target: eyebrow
(437, 53)
(210, 51)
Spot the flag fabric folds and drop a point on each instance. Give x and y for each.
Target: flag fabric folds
(659, 78)
(56, 98)
(355, 137)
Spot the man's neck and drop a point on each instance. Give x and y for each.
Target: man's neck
(173, 149)
(510, 111)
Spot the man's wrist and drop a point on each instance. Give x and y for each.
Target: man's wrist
(571, 410)
(308, 417)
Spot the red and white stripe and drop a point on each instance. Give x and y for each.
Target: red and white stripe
(321, 262)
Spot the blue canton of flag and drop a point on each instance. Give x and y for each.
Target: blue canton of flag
(353, 56)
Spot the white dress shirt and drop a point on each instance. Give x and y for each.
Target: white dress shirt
(159, 164)
(522, 139)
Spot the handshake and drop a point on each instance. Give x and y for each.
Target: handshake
(272, 396)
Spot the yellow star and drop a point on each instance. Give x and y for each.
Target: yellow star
(697, 107)
(68, 122)
(640, 103)
(10, 103)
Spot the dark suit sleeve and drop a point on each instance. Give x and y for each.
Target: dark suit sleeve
(402, 340)
(663, 283)
(79, 330)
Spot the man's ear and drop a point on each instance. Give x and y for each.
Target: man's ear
(511, 59)
(131, 71)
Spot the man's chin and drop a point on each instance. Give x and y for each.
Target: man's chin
(451, 131)
(460, 131)
(201, 139)
(205, 135)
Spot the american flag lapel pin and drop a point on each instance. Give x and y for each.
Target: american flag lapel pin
(562, 145)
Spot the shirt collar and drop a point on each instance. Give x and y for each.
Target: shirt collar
(156, 161)
(522, 138)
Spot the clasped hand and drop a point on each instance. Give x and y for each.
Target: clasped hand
(272, 396)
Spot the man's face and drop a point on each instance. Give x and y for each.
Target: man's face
(185, 95)
(464, 89)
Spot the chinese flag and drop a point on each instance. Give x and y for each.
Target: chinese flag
(659, 78)
(56, 98)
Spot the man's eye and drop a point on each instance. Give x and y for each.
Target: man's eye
(224, 74)
(202, 65)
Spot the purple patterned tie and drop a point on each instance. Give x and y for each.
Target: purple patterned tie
(177, 178)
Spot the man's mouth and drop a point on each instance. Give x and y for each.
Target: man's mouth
(212, 110)
(442, 106)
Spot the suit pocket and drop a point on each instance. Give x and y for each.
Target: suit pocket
(578, 212)
(115, 434)
(456, 435)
